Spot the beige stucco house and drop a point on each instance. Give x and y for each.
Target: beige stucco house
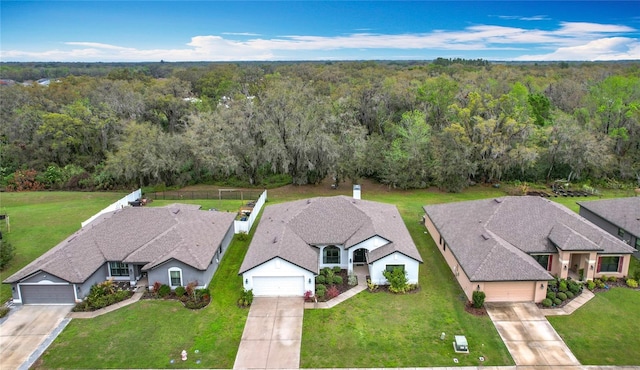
(510, 247)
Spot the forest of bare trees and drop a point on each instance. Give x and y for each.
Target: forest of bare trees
(408, 125)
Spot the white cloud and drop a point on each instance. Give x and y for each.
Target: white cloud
(521, 18)
(606, 49)
(570, 41)
(241, 34)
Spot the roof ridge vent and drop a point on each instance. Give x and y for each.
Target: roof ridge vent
(485, 236)
(497, 200)
(275, 239)
(308, 201)
(175, 211)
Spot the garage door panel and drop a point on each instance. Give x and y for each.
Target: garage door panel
(278, 286)
(520, 291)
(47, 294)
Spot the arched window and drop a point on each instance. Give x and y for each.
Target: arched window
(175, 277)
(331, 254)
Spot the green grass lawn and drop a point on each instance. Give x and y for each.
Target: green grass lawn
(41, 220)
(149, 333)
(605, 330)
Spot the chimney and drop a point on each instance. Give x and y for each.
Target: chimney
(356, 191)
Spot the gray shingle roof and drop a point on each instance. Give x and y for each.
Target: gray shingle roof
(493, 238)
(141, 235)
(622, 212)
(289, 230)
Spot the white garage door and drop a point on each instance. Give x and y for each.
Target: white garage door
(278, 286)
(517, 291)
(47, 294)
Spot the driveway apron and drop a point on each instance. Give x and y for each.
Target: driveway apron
(529, 337)
(272, 334)
(24, 330)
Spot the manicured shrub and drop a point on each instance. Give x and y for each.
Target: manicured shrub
(562, 286)
(180, 291)
(478, 298)
(332, 292)
(612, 279)
(599, 283)
(547, 302)
(632, 283)
(326, 271)
(570, 294)
(308, 296)
(397, 279)
(320, 290)
(321, 279)
(337, 280)
(557, 301)
(246, 298)
(551, 295)
(561, 296)
(337, 269)
(574, 286)
(591, 285)
(328, 280)
(164, 291)
(4, 310)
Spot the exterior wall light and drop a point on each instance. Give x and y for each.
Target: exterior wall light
(246, 281)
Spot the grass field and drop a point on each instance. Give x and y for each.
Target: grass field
(369, 330)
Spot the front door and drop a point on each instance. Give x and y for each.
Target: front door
(359, 256)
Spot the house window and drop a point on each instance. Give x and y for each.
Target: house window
(331, 254)
(638, 244)
(390, 268)
(609, 264)
(118, 269)
(175, 277)
(621, 232)
(544, 260)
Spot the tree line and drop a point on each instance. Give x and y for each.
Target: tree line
(408, 125)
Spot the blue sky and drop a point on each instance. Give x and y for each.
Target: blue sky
(129, 31)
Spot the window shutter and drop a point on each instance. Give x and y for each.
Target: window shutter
(599, 263)
(620, 260)
(550, 262)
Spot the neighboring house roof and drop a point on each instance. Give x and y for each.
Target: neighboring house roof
(622, 212)
(290, 230)
(143, 235)
(492, 239)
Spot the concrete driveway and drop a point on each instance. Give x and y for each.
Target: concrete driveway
(529, 337)
(25, 330)
(272, 334)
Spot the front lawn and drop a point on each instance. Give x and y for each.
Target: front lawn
(150, 333)
(605, 330)
(386, 330)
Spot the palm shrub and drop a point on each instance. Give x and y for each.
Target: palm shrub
(478, 298)
(398, 282)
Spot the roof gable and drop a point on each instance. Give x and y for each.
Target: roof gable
(291, 230)
(144, 235)
(499, 234)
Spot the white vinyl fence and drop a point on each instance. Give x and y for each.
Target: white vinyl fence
(124, 202)
(245, 226)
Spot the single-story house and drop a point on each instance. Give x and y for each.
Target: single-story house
(510, 247)
(619, 217)
(295, 240)
(173, 245)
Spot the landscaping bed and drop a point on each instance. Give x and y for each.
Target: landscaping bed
(105, 294)
(330, 284)
(190, 296)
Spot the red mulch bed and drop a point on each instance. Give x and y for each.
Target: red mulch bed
(475, 311)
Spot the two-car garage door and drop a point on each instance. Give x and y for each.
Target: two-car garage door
(47, 294)
(278, 286)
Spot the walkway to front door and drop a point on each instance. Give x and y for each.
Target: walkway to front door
(272, 334)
